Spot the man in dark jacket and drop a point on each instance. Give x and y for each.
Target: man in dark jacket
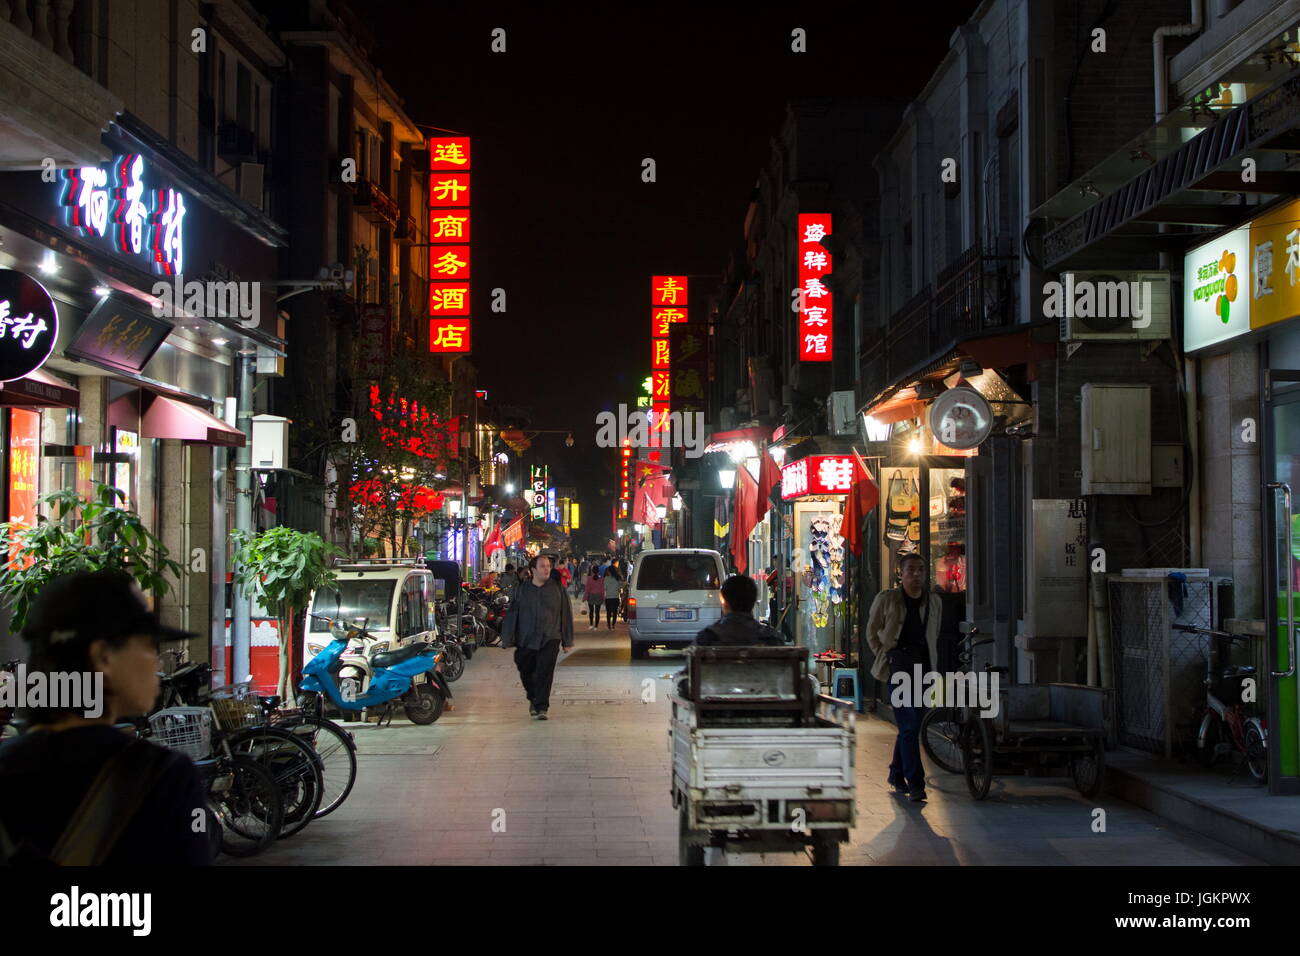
(539, 621)
(738, 625)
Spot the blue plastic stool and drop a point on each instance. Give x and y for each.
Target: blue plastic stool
(844, 685)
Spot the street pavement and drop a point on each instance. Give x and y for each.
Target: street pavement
(487, 784)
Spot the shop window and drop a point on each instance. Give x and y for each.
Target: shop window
(947, 514)
(901, 521)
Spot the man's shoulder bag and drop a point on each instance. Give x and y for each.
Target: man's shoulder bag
(106, 810)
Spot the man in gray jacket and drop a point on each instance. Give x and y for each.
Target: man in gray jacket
(539, 623)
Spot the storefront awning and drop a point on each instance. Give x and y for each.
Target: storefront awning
(737, 438)
(169, 418)
(39, 390)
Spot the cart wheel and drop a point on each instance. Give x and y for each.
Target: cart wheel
(690, 851)
(1088, 770)
(941, 738)
(826, 848)
(977, 756)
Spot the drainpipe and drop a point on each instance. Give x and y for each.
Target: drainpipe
(1158, 53)
(1190, 369)
(241, 627)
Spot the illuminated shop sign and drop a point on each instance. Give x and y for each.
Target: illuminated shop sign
(817, 475)
(814, 299)
(668, 306)
(29, 325)
(113, 203)
(449, 251)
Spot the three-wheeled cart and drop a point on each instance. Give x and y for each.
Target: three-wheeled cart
(1039, 730)
(762, 761)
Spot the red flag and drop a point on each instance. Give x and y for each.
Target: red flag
(745, 517)
(863, 497)
(769, 476)
(493, 542)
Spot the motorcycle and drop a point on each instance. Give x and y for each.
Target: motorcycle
(409, 674)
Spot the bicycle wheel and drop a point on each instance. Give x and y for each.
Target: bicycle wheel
(977, 756)
(246, 799)
(1088, 770)
(1256, 752)
(338, 755)
(296, 768)
(941, 738)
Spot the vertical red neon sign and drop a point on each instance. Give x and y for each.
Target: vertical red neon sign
(449, 259)
(816, 317)
(668, 304)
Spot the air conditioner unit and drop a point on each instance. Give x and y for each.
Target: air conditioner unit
(842, 413)
(1104, 306)
(250, 183)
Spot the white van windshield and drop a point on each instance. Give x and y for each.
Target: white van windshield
(371, 599)
(676, 572)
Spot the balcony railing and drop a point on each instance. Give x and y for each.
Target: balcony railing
(45, 21)
(969, 296)
(375, 204)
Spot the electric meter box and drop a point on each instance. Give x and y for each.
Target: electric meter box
(270, 442)
(1116, 439)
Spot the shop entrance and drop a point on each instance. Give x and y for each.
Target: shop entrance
(1282, 572)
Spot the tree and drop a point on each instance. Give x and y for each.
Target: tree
(280, 567)
(86, 534)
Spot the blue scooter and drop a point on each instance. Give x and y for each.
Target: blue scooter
(409, 674)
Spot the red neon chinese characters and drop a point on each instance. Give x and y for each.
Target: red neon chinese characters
(448, 262)
(449, 189)
(816, 316)
(449, 152)
(668, 290)
(448, 298)
(449, 238)
(449, 335)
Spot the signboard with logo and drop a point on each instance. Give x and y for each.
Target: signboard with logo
(113, 203)
(1245, 280)
(24, 469)
(29, 324)
(449, 251)
(816, 313)
(817, 475)
(669, 299)
(375, 340)
(119, 336)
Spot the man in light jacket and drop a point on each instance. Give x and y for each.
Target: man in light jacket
(903, 631)
(539, 622)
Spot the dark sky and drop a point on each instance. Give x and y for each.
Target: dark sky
(561, 123)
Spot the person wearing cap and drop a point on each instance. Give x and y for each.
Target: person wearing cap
(97, 622)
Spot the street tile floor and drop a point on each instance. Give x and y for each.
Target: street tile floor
(487, 785)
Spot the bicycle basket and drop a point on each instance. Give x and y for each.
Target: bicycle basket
(236, 714)
(187, 729)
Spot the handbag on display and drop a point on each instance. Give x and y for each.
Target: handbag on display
(900, 508)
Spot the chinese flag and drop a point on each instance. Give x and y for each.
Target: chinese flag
(745, 517)
(493, 542)
(769, 476)
(863, 497)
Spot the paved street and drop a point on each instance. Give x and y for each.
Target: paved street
(590, 787)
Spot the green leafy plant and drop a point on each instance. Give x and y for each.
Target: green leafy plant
(280, 567)
(84, 534)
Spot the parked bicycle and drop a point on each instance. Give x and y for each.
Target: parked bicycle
(1222, 725)
(942, 727)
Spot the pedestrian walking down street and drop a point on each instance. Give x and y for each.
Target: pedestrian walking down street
(613, 581)
(75, 790)
(903, 631)
(539, 623)
(595, 597)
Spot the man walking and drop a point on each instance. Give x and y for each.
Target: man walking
(540, 621)
(903, 631)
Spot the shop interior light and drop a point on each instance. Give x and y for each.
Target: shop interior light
(914, 445)
(103, 291)
(727, 478)
(778, 454)
(48, 266)
(220, 342)
(875, 430)
(510, 489)
(677, 502)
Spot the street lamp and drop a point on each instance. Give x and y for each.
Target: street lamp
(510, 488)
(727, 478)
(677, 502)
(661, 511)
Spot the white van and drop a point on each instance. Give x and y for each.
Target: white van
(397, 599)
(674, 594)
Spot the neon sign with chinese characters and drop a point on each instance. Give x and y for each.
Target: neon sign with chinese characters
(668, 305)
(817, 475)
(816, 316)
(449, 251)
(114, 204)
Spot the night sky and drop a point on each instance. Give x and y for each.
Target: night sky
(561, 123)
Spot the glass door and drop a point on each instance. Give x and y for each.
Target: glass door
(1281, 469)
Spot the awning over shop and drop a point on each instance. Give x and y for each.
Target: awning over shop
(39, 390)
(737, 438)
(169, 418)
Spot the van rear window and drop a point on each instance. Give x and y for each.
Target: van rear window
(676, 572)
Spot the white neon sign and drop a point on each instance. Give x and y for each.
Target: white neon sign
(96, 201)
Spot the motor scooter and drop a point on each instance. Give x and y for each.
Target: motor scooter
(409, 675)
